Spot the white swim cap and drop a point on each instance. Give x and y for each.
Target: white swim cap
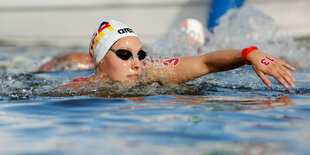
(106, 35)
(194, 29)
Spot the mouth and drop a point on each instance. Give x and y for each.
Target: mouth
(133, 76)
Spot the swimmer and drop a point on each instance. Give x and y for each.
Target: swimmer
(120, 58)
(185, 40)
(73, 61)
(81, 61)
(195, 31)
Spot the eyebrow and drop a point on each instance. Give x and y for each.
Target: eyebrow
(130, 49)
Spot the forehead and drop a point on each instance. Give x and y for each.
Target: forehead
(130, 42)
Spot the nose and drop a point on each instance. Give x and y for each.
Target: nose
(136, 63)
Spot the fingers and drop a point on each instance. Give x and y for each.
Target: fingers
(282, 81)
(281, 72)
(288, 65)
(287, 75)
(289, 80)
(290, 75)
(279, 69)
(264, 79)
(284, 76)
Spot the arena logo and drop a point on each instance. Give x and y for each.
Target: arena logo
(125, 30)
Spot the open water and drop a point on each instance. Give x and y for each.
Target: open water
(231, 112)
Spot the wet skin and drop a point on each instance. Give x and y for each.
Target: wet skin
(112, 68)
(120, 70)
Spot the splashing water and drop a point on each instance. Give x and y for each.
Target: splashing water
(248, 26)
(238, 29)
(174, 44)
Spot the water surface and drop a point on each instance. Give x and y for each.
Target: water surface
(231, 112)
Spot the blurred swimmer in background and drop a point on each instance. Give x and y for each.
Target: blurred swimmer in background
(73, 61)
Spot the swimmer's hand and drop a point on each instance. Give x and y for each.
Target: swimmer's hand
(265, 64)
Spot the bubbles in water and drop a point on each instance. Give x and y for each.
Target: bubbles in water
(120, 90)
(23, 86)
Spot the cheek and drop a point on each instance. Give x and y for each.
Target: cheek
(118, 70)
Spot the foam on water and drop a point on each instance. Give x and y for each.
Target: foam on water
(23, 86)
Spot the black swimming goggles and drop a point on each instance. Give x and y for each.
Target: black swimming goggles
(126, 54)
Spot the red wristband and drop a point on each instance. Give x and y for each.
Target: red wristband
(246, 51)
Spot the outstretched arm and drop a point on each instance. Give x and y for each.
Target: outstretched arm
(179, 70)
(183, 69)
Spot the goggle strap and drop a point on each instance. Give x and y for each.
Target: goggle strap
(113, 50)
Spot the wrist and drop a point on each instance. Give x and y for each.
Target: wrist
(245, 52)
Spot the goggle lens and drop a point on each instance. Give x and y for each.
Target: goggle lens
(126, 54)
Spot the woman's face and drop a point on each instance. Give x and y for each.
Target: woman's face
(123, 70)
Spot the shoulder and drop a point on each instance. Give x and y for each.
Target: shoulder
(82, 80)
(76, 84)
